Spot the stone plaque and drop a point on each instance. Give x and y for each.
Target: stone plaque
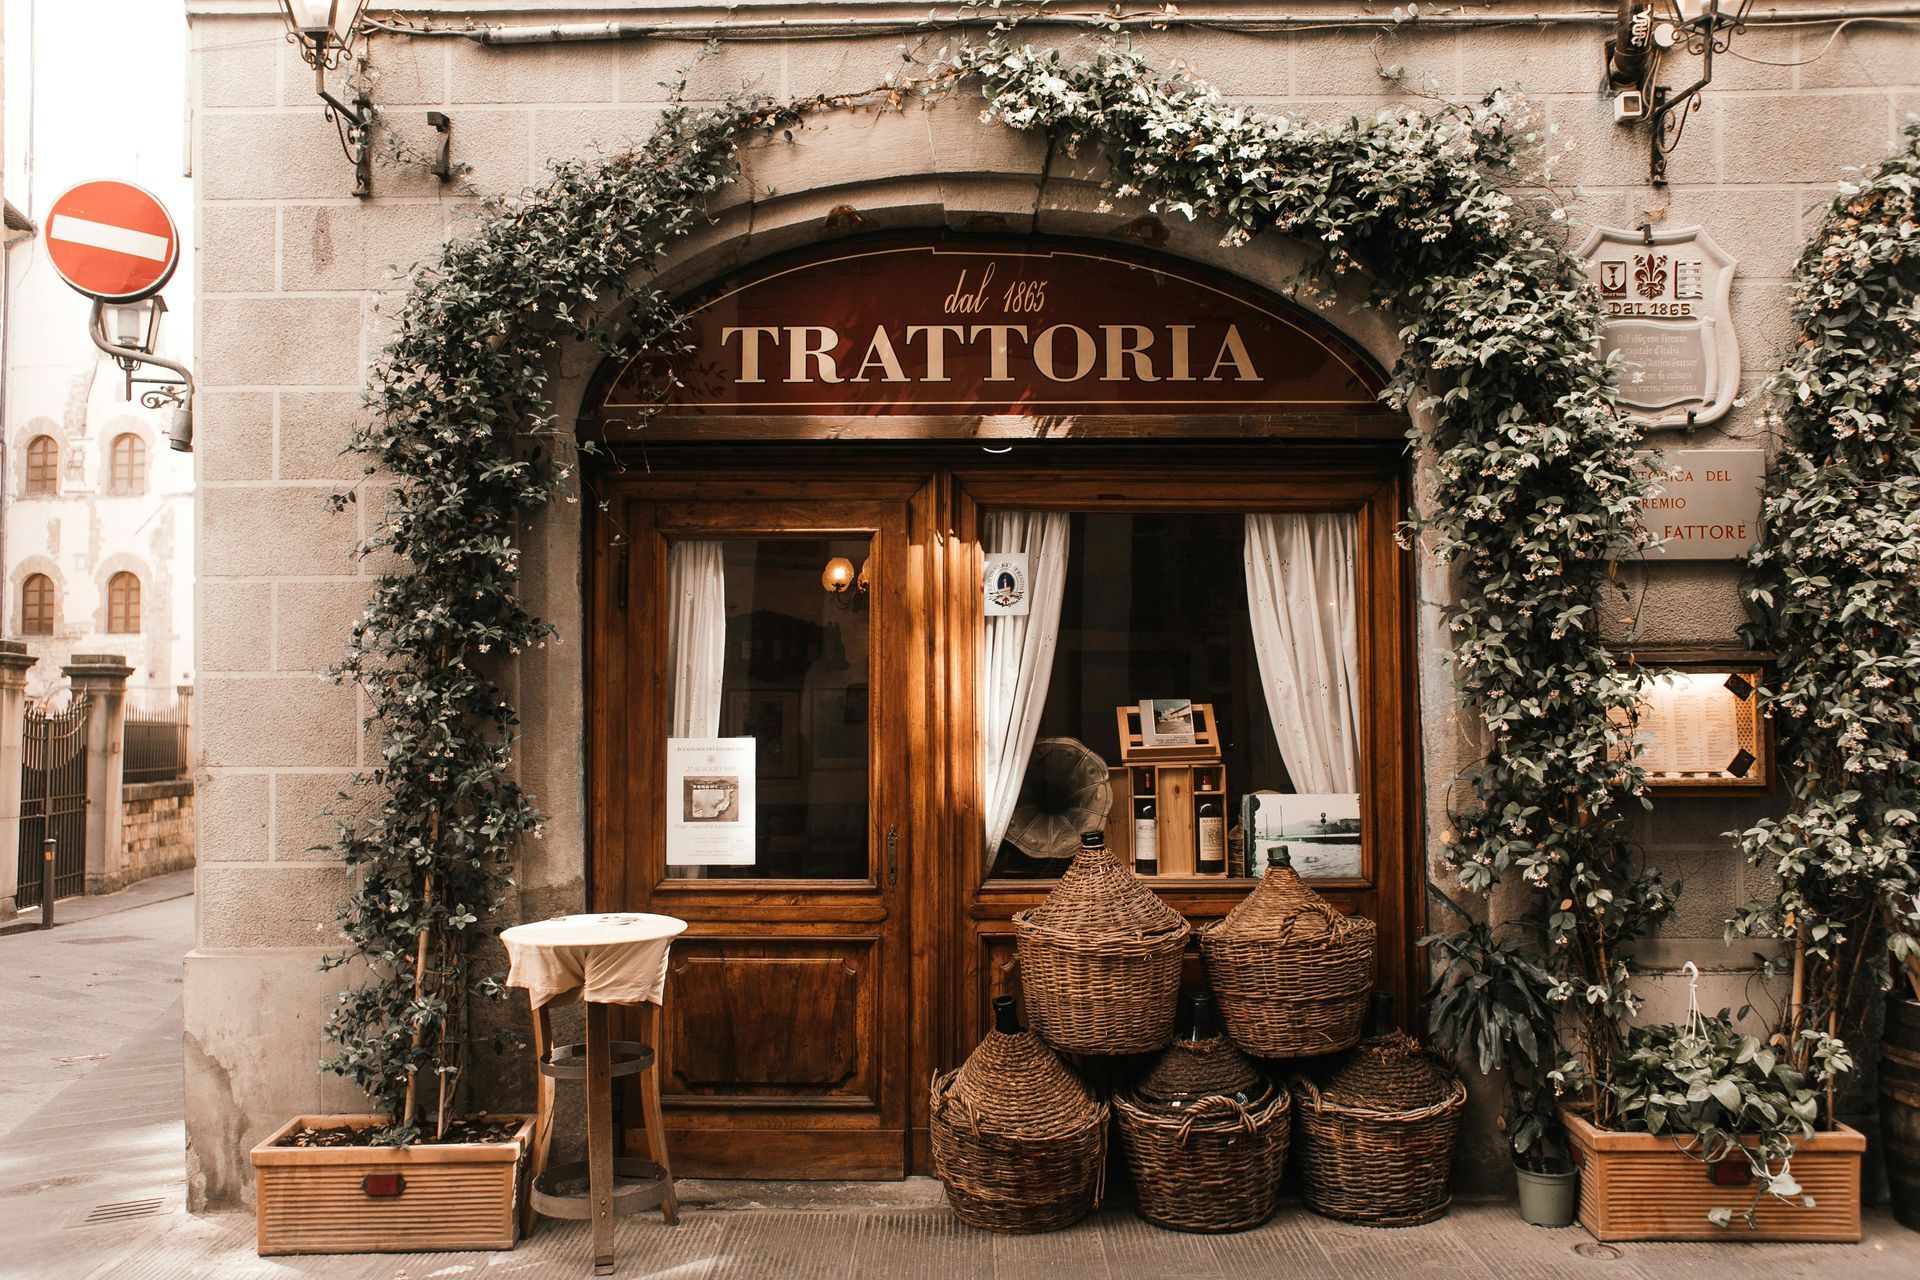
(1668, 302)
(1705, 502)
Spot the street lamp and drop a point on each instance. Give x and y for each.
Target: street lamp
(130, 333)
(324, 31)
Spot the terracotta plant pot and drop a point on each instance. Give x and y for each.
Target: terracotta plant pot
(432, 1196)
(1639, 1186)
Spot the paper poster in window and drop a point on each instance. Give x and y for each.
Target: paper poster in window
(710, 803)
(1004, 584)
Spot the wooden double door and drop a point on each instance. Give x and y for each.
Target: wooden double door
(826, 978)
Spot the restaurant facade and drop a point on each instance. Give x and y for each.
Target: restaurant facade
(978, 477)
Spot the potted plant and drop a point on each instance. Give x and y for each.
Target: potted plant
(1715, 1135)
(1830, 586)
(1490, 1005)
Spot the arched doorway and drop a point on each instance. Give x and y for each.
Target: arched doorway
(803, 750)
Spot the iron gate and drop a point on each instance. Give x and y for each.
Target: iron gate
(53, 800)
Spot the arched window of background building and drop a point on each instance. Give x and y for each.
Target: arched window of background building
(43, 465)
(127, 471)
(123, 604)
(36, 605)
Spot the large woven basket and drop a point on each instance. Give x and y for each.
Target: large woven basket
(1100, 960)
(1211, 1165)
(1374, 1138)
(1019, 1141)
(1291, 972)
(1205, 1134)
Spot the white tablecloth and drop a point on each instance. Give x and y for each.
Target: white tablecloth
(607, 958)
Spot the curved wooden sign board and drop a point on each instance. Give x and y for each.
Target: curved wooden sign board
(988, 337)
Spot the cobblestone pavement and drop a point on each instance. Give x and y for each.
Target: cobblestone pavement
(91, 1184)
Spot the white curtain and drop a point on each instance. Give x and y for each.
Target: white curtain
(1301, 589)
(1019, 657)
(696, 636)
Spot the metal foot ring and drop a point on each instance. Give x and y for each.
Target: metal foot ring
(637, 1185)
(569, 1061)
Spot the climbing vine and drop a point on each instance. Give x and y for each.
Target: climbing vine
(1832, 586)
(1531, 485)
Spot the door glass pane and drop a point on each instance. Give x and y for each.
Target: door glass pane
(1251, 615)
(768, 639)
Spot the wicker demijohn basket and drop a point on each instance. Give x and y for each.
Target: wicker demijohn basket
(1374, 1140)
(1291, 972)
(1018, 1139)
(1100, 959)
(1205, 1135)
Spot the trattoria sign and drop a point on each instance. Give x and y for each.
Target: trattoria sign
(1011, 327)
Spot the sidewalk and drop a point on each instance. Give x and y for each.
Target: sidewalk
(92, 1184)
(161, 888)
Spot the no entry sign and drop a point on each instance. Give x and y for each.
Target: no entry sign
(112, 241)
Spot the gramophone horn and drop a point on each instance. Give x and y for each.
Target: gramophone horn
(1064, 793)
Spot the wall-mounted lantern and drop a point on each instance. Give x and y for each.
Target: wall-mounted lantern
(130, 333)
(1645, 35)
(324, 31)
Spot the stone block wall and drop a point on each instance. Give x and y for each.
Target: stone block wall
(156, 828)
(297, 281)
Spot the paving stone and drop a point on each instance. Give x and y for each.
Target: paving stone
(927, 1243)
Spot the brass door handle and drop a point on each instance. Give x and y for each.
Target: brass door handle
(893, 856)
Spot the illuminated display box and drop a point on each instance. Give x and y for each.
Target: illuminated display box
(1700, 726)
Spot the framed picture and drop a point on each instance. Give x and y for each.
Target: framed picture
(771, 717)
(837, 727)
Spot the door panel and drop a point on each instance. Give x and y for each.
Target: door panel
(786, 1044)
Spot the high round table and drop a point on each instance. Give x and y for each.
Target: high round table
(603, 959)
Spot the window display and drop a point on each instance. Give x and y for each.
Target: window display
(1206, 657)
(767, 651)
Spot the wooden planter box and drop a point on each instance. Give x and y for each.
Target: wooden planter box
(1637, 1186)
(451, 1195)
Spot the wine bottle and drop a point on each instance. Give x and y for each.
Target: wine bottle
(1005, 1020)
(1203, 1023)
(1146, 838)
(1210, 834)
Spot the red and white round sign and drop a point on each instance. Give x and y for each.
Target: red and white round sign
(112, 240)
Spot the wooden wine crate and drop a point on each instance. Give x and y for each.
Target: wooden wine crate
(1638, 1186)
(1175, 800)
(451, 1196)
(1204, 749)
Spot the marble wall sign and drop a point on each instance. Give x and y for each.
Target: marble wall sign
(1705, 503)
(1668, 301)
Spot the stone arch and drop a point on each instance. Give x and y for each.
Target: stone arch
(17, 471)
(853, 173)
(126, 424)
(26, 567)
(104, 573)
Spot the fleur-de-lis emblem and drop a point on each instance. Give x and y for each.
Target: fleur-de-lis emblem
(1650, 274)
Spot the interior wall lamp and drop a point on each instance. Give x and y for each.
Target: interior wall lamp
(1645, 34)
(840, 581)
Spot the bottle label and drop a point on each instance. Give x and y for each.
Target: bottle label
(1213, 839)
(1146, 840)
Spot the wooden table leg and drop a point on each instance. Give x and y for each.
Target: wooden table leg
(650, 1105)
(543, 1089)
(600, 1137)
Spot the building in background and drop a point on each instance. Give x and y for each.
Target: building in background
(98, 510)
